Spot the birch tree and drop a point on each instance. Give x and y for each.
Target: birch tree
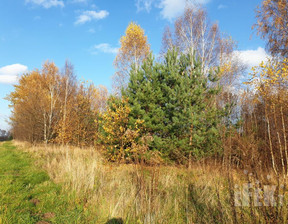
(193, 33)
(134, 49)
(272, 20)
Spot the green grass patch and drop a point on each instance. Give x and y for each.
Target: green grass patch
(27, 195)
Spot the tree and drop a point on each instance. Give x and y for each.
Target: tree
(84, 106)
(118, 136)
(134, 49)
(53, 108)
(69, 88)
(51, 92)
(194, 34)
(272, 20)
(27, 108)
(4, 135)
(174, 101)
(270, 82)
(35, 103)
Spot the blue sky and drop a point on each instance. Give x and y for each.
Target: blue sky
(87, 32)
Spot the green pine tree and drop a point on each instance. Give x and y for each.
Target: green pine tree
(176, 103)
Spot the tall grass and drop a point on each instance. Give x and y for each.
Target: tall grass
(159, 194)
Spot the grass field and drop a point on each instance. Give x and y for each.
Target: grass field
(54, 184)
(27, 195)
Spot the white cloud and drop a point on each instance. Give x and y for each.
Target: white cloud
(170, 9)
(88, 16)
(10, 74)
(144, 5)
(47, 3)
(105, 48)
(221, 6)
(252, 58)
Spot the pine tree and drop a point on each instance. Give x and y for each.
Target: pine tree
(176, 104)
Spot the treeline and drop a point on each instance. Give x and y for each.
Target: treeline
(263, 139)
(181, 107)
(4, 135)
(53, 107)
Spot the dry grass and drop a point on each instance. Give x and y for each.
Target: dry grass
(141, 194)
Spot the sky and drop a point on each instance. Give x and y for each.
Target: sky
(87, 33)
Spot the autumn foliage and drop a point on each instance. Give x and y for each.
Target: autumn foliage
(268, 112)
(120, 139)
(134, 49)
(272, 20)
(182, 107)
(52, 107)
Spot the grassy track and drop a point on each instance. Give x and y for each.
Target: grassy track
(27, 195)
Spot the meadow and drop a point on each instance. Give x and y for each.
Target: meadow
(185, 137)
(62, 184)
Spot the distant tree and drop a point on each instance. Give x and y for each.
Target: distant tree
(4, 135)
(272, 20)
(134, 49)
